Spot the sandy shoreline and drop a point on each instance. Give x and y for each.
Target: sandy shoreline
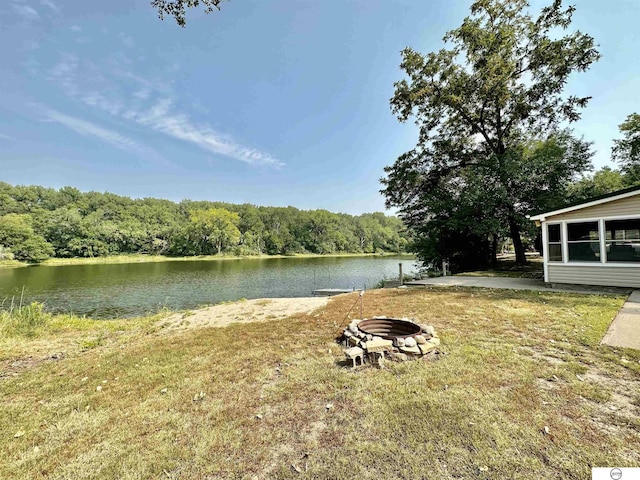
(243, 311)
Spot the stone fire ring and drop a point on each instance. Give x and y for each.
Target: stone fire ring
(389, 328)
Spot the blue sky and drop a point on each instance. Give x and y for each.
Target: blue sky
(281, 102)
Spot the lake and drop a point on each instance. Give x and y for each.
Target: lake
(134, 289)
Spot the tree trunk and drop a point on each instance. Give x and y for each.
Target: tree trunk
(494, 251)
(514, 230)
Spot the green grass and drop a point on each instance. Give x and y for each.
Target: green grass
(516, 362)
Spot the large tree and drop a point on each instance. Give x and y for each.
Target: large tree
(501, 81)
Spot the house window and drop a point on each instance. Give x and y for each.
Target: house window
(554, 242)
(583, 242)
(623, 240)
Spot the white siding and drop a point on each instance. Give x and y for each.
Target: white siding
(597, 274)
(618, 208)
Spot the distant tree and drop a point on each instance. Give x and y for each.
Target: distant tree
(17, 235)
(217, 226)
(626, 150)
(178, 8)
(503, 76)
(601, 182)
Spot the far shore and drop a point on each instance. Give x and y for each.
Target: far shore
(141, 258)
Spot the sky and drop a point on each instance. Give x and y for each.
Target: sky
(281, 102)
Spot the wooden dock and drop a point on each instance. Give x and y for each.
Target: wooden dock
(328, 292)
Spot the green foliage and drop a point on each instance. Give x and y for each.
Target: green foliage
(17, 235)
(76, 224)
(601, 182)
(481, 106)
(626, 151)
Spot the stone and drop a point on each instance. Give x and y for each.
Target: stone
(374, 346)
(430, 330)
(19, 434)
(375, 339)
(353, 354)
(399, 342)
(435, 340)
(164, 390)
(426, 347)
(420, 340)
(398, 357)
(347, 333)
(410, 342)
(412, 350)
(354, 340)
(353, 328)
(99, 388)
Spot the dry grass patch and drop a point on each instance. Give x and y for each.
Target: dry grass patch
(277, 402)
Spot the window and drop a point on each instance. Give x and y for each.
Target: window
(583, 241)
(622, 240)
(554, 242)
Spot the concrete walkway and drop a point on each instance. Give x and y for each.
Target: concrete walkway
(515, 284)
(624, 331)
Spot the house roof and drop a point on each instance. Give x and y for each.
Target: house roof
(609, 197)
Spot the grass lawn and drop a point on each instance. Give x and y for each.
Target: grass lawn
(524, 391)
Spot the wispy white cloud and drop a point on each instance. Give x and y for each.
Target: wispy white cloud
(89, 129)
(149, 103)
(127, 40)
(64, 73)
(178, 125)
(76, 28)
(51, 5)
(5, 137)
(26, 12)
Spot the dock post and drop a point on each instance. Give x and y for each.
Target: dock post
(400, 273)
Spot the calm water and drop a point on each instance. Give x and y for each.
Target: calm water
(126, 290)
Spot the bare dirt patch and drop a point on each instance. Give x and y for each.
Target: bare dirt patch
(260, 309)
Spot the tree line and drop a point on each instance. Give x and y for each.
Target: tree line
(37, 223)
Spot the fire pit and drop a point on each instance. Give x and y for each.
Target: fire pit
(389, 328)
(379, 338)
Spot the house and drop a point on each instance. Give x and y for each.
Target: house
(595, 242)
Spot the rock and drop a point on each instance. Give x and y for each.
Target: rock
(375, 339)
(378, 346)
(329, 406)
(430, 330)
(420, 340)
(347, 334)
(398, 357)
(84, 379)
(410, 342)
(368, 337)
(353, 328)
(426, 347)
(259, 417)
(399, 342)
(99, 388)
(354, 341)
(164, 390)
(356, 321)
(412, 350)
(353, 352)
(36, 449)
(435, 340)
(19, 434)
